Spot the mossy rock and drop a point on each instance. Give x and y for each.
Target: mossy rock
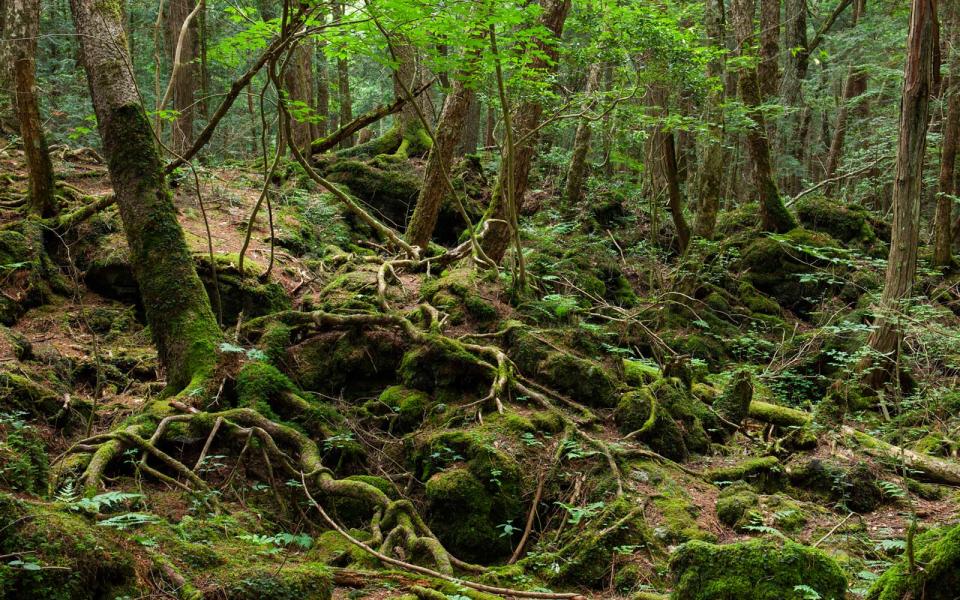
(463, 515)
(390, 188)
(353, 512)
(638, 373)
(293, 582)
(240, 293)
(442, 364)
(786, 267)
(757, 302)
(90, 563)
(766, 473)
(854, 486)
(844, 222)
(733, 405)
(587, 381)
(938, 552)
(456, 292)
(408, 405)
(754, 570)
(352, 361)
(666, 416)
(735, 503)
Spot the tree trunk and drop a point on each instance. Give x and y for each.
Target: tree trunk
(471, 129)
(323, 92)
(525, 121)
(577, 172)
(774, 216)
(344, 98)
(298, 84)
(22, 27)
(488, 139)
(795, 124)
(942, 233)
(852, 87)
(185, 75)
(920, 75)
(664, 155)
(768, 71)
(435, 188)
(177, 308)
(411, 73)
(710, 175)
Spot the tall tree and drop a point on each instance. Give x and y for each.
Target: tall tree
(525, 122)
(710, 174)
(344, 97)
(774, 216)
(853, 86)
(183, 43)
(942, 234)
(22, 23)
(577, 171)
(177, 308)
(768, 71)
(298, 84)
(920, 79)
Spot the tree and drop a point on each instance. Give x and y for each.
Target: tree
(184, 328)
(183, 42)
(710, 175)
(298, 84)
(344, 99)
(768, 71)
(853, 86)
(774, 216)
(942, 235)
(577, 172)
(525, 122)
(920, 79)
(22, 22)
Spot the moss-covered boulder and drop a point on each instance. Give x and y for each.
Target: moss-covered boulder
(854, 486)
(937, 576)
(240, 293)
(787, 267)
(841, 221)
(666, 416)
(457, 293)
(765, 473)
(464, 519)
(407, 407)
(754, 570)
(445, 368)
(736, 503)
(334, 362)
(734, 404)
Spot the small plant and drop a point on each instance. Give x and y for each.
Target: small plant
(530, 440)
(579, 513)
(129, 520)
(506, 529)
(101, 502)
(807, 592)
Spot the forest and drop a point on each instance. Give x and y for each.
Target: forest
(479, 299)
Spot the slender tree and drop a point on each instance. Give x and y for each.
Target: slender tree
(774, 216)
(768, 71)
(177, 308)
(344, 97)
(853, 86)
(577, 171)
(22, 28)
(710, 174)
(184, 44)
(920, 80)
(942, 234)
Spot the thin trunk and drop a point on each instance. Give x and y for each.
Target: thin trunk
(411, 73)
(852, 87)
(795, 124)
(768, 71)
(663, 154)
(920, 80)
(488, 139)
(23, 26)
(942, 236)
(323, 92)
(298, 84)
(436, 176)
(344, 98)
(710, 175)
(185, 75)
(774, 216)
(577, 172)
(471, 129)
(177, 308)
(525, 122)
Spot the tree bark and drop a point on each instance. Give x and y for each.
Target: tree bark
(942, 232)
(298, 84)
(710, 174)
(774, 216)
(768, 71)
(664, 156)
(526, 120)
(488, 139)
(435, 188)
(22, 24)
(852, 87)
(177, 308)
(471, 129)
(344, 98)
(323, 91)
(185, 75)
(920, 80)
(577, 171)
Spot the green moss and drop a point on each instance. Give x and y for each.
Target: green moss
(754, 570)
(845, 222)
(765, 472)
(855, 487)
(293, 582)
(467, 526)
(354, 512)
(938, 552)
(734, 404)
(549, 422)
(408, 405)
(757, 302)
(355, 361)
(638, 372)
(456, 292)
(667, 417)
(735, 502)
(442, 363)
(23, 456)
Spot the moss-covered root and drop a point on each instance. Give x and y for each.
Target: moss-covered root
(754, 570)
(938, 553)
(733, 405)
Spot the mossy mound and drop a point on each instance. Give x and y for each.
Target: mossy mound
(938, 553)
(404, 408)
(735, 504)
(764, 472)
(353, 361)
(24, 464)
(666, 416)
(853, 486)
(293, 582)
(587, 381)
(786, 267)
(29, 278)
(467, 476)
(754, 570)
(445, 368)
(733, 405)
(389, 187)
(78, 560)
(240, 294)
(456, 292)
(844, 222)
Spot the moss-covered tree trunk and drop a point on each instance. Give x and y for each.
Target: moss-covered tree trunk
(344, 98)
(22, 23)
(710, 174)
(177, 308)
(774, 215)
(795, 124)
(526, 120)
(664, 157)
(942, 234)
(920, 80)
(768, 71)
(577, 172)
(435, 187)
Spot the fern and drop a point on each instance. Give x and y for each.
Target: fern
(807, 592)
(99, 502)
(128, 520)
